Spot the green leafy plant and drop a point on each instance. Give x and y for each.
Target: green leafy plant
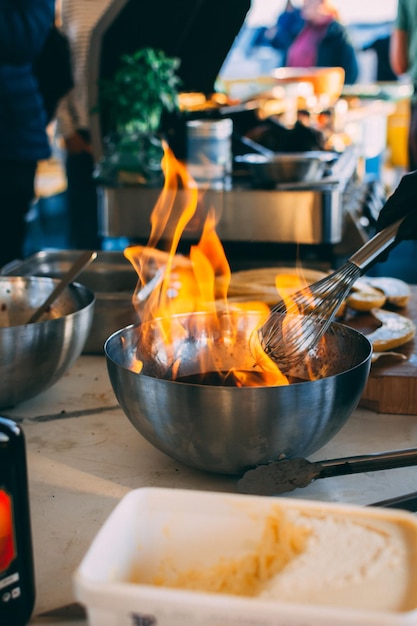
(131, 104)
(144, 86)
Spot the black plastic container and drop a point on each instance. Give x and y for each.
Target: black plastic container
(17, 580)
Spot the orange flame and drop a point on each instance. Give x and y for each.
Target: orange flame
(171, 283)
(287, 284)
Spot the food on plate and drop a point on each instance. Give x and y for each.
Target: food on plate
(396, 291)
(369, 293)
(268, 283)
(395, 330)
(395, 355)
(261, 284)
(364, 297)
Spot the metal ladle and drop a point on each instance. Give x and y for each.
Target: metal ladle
(80, 263)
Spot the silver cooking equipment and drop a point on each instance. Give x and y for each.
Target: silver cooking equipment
(304, 213)
(287, 167)
(313, 308)
(84, 259)
(289, 474)
(111, 277)
(230, 429)
(33, 357)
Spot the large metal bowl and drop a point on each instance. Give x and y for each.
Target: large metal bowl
(229, 429)
(35, 356)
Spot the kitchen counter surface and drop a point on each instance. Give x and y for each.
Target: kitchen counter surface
(84, 455)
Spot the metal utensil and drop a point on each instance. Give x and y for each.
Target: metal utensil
(407, 502)
(257, 147)
(289, 474)
(83, 260)
(296, 324)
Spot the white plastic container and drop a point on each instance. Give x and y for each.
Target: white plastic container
(154, 530)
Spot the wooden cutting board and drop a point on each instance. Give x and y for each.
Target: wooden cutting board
(392, 383)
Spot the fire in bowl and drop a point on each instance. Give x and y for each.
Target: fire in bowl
(35, 356)
(170, 391)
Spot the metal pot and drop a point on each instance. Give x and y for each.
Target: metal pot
(287, 167)
(231, 429)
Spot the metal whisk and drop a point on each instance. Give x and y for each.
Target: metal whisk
(295, 325)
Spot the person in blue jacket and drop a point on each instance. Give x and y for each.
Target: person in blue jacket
(320, 40)
(24, 26)
(289, 24)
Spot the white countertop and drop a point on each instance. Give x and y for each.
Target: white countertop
(84, 455)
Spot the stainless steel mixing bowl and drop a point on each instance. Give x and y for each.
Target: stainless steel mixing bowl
(230, 429)
(35, 356)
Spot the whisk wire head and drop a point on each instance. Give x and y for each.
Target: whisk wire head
(296, 324)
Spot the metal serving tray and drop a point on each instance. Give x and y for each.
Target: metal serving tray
(111, 277)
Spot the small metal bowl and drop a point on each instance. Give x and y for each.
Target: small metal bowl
(287, 167)
(231, 429)
(35, 356)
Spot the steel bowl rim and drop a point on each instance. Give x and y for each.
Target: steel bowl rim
(135, 327)
(55, 281)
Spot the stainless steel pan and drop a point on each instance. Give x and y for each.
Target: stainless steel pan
(287, 167)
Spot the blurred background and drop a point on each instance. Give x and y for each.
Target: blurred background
(249, 60)
(366, 20)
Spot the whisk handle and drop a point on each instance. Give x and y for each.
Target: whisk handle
(369, 253)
